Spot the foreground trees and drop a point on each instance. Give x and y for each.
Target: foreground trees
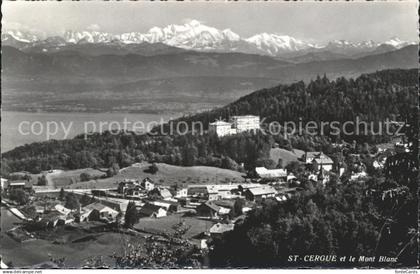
(131, 215)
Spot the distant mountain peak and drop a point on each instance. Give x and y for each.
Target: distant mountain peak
(194, 23)
(197, 36)
(22, 36)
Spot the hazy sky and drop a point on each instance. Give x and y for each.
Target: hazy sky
(316, 21)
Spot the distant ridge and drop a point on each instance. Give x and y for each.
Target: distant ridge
(193, 36)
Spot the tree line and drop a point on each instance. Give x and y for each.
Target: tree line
(373, 97)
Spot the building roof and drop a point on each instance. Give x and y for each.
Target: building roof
(52, 215)
(165, 193)
(250, 185)
(225, 203)
(197, 190)
(224, 210)
(324, 161)
(314, 154)
(149, 209)
(18, 183)
(221, 228)
(271, 173)
(262, 190)
(211, 205)
(62, 209)
(98, 206)
(245, 116)
(220, 123)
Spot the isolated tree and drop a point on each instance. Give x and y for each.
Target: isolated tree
(42, 181)
(237, 207)
(113, 170)
(85, 177)
(131, 215)
(280, 163)
(62, 195)
(153, 168)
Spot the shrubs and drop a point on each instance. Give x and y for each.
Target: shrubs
(19, 196)
(84, 177)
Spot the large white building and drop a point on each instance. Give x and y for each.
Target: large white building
(245, 123)
(236, 125)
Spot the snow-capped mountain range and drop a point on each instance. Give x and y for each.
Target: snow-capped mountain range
(199, 37)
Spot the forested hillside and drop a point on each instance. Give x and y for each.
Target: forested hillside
(378, 217)
(373, 97)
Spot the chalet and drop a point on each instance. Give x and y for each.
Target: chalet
(151, 210)
(257, 194)
(208, 210)
(198, 192)
(53, 219)
(160, 192)
(147, 184)
(119, 205)
(271, 174)
(96, 212)
(225, 203)
(222, 191)
(128, 187)
(321, 176)
(291, 177)
(219, 229)
(63, 210)
(168, 205)
(213, 192)
(181, 193)
(243, 187)
(135, 191)
(319, 159)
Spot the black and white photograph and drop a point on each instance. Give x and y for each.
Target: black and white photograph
(209, 135)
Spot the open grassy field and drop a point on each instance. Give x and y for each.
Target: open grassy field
(60, 178)
(286, 155)
(167, 175)
(165, 224)
(65, 178)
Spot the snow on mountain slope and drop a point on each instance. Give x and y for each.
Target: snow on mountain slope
(397, 43)
(274, 44)
(21, 36)
(197, 36)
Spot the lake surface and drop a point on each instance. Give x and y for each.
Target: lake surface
(20, 128)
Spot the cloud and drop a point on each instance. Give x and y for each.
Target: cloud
(94, 27)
